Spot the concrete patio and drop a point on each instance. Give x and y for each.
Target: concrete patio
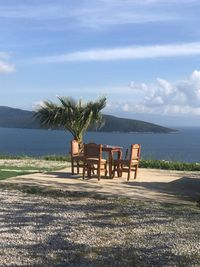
(151, 184)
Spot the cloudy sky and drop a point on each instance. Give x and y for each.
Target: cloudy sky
(143, 55)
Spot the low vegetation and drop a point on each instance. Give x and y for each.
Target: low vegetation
(169, 165)
(144, 163)
(8, 174)
(147, 163)
(11, 167)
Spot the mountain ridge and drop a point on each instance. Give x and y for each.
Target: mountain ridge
(19, 118)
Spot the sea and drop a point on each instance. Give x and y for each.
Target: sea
(183, 145)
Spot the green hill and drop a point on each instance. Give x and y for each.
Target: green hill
(115, 124)
(18, 118)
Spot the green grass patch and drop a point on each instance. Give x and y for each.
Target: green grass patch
(12, 171)
(27, 168)
(57, 158)
(46, 157)
(169, 165)
(149, 163)
(144, 163)
(8, 174)
(7, 156)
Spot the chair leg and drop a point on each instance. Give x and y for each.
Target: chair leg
(83, 171)
(129, 174)
(136, 169)
(99, 172)
(72, 166)
(113, 171)
(92, 169)
(77, 167)
(105, 167)
(106, 173)
(119, 170)
(89, 170)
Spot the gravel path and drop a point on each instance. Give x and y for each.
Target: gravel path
(81, 231)
(30, 162)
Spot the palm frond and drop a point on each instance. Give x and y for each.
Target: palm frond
(74, 116)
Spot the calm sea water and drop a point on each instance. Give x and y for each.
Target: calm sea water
(181, 146)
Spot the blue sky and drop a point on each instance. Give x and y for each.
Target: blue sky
(143, 55)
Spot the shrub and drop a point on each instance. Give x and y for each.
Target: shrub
(169, 165)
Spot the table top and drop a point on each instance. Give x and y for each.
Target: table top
(108, 147)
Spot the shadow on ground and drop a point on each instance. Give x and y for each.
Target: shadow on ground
(186, 188)
(39, 231)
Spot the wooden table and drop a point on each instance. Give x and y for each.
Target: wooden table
(111, 150)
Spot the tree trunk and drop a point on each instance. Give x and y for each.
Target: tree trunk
(81, 147)
(80, 144)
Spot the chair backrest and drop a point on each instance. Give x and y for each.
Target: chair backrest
(135, 152)
(92, 150)
(74, 148)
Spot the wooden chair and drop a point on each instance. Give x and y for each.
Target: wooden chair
(129, 163)
(77, 157)
(93, 160)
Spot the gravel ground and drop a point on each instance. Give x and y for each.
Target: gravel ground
(37, 163)
(86, 231)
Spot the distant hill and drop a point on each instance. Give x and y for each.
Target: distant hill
(18, 118)
(115, 124)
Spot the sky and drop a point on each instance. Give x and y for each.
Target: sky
(143, 55)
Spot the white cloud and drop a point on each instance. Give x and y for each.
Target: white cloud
(6, 68)
(38, 104)
(98, 14)
(101, 13)
(124, 53)
(164, 97)
(168, 2)
(50, 11)
(4, 55)
(90, 14)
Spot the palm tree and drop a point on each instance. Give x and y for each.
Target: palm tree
(74, 116)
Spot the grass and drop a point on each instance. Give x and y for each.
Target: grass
(144, 163)
(57, 158)
(169, 165)
(25, 168)
(8, 174)
(7, 156)
(46, 157)
(11, 169)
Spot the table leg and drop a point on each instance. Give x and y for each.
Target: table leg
(119, 154)
(110, 163)
(110, 160)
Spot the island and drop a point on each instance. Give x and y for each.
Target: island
(18, 118)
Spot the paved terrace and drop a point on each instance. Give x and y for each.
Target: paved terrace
(160, 185)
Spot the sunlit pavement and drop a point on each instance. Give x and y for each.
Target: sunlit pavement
(151, 184)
